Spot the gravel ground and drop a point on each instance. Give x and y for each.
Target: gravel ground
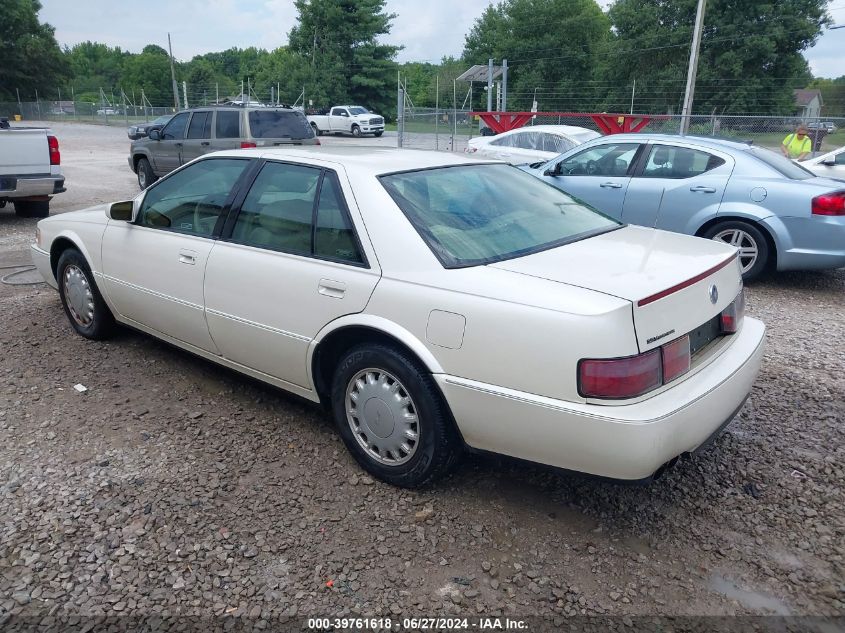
(172, 486)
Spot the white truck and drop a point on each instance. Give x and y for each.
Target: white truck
(347, 119)
(30, 169)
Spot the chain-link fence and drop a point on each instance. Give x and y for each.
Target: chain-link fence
(82, 111)
(427, 128)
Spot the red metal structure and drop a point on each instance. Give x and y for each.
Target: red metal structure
(608, 123)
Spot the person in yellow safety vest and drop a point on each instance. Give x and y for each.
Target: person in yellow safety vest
(798, 144)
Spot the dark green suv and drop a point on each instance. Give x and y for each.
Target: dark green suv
(192, 133)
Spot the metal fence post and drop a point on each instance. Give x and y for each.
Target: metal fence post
(436, 111)
(400, 110)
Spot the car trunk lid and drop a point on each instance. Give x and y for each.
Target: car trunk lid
(668, 278)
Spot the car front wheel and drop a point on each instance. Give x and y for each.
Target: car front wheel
(84, 306)
(392, 417)
(146, 175)
(356, 131)
(749, 240)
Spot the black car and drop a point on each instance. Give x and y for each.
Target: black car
(143, 129)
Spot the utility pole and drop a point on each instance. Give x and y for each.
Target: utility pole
(504, 85)
(633, 92)
(490, 85)
(173, 75)
(693, 67)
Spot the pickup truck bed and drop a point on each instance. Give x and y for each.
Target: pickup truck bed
(30, 170)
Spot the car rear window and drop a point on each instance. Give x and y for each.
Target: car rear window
(478, 214)
(781, 164)
(279, 124)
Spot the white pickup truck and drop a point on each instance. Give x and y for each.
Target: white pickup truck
(30, 169)
(354, 120)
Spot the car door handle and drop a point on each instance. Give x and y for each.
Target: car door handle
(205, 143)
(703, 189)
(331, 288)
(188, 257)
(610, 185)
(178, 144)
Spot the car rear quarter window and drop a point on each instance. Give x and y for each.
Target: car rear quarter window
(667, 161)
(279, 124)
(781, 164)
(228, 124)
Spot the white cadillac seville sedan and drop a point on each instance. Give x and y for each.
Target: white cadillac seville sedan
(432, 302)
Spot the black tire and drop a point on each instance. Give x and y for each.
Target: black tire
(317, 131)
(438, 445)
(146, 175)
(378, 134)
(32, 208)
(356, 131)
(102, 322)
(749, 236)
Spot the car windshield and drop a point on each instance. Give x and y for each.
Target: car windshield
(479, 214)
(781, 164)
(161, 120)
(354, 110)
(279, 124)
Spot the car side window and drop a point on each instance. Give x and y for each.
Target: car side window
(505, 141)
(279, 208)
(612, 159)
(666, 161)
(840, 158)
(228, 124)
(334, 237)
(176, 128)
(557, 144)
(191, 200)
(200, 126)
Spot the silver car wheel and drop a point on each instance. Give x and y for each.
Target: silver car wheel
(142, 178)
(80, 299)
(747, 245)
(382, 416)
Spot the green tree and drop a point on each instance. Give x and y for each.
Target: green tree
(750, 54)
(339, 40)
(94, 66)
(149, 72)
(551, 45)
(833, 95)
(30, 57)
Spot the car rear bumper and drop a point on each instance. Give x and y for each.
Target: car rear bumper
(41, 260)
(810, 243)
(627, 442)
(19, 187)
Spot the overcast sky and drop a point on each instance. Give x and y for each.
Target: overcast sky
(427, 29)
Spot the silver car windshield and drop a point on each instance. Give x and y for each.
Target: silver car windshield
(355, 110)
(479, 214)
(781, 164)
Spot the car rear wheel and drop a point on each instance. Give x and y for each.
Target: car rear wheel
(392, 417)
(32, 208)
(317, 131)
(749, 240)
(356, 131)
(84, 306)
(146, 175)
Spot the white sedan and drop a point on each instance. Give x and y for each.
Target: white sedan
(830, 165)
(432, 302)
(530, 144)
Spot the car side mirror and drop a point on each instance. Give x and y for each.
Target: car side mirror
(554, 170)
(122, 211)
(830, 162)
(154, 135)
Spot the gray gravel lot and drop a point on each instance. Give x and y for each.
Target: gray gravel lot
(172, 486)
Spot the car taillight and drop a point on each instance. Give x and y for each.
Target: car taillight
(829, 204)
(247, 145)
(620, 377)
(55, 155)
(732, 316)
(676, 358)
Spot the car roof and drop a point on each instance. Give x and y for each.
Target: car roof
(363, 159)
(703, 141)
(557, 129)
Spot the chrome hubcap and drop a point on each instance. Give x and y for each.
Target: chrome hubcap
(80, 299)
(746, 244)
(142, 178)
(382, 416)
